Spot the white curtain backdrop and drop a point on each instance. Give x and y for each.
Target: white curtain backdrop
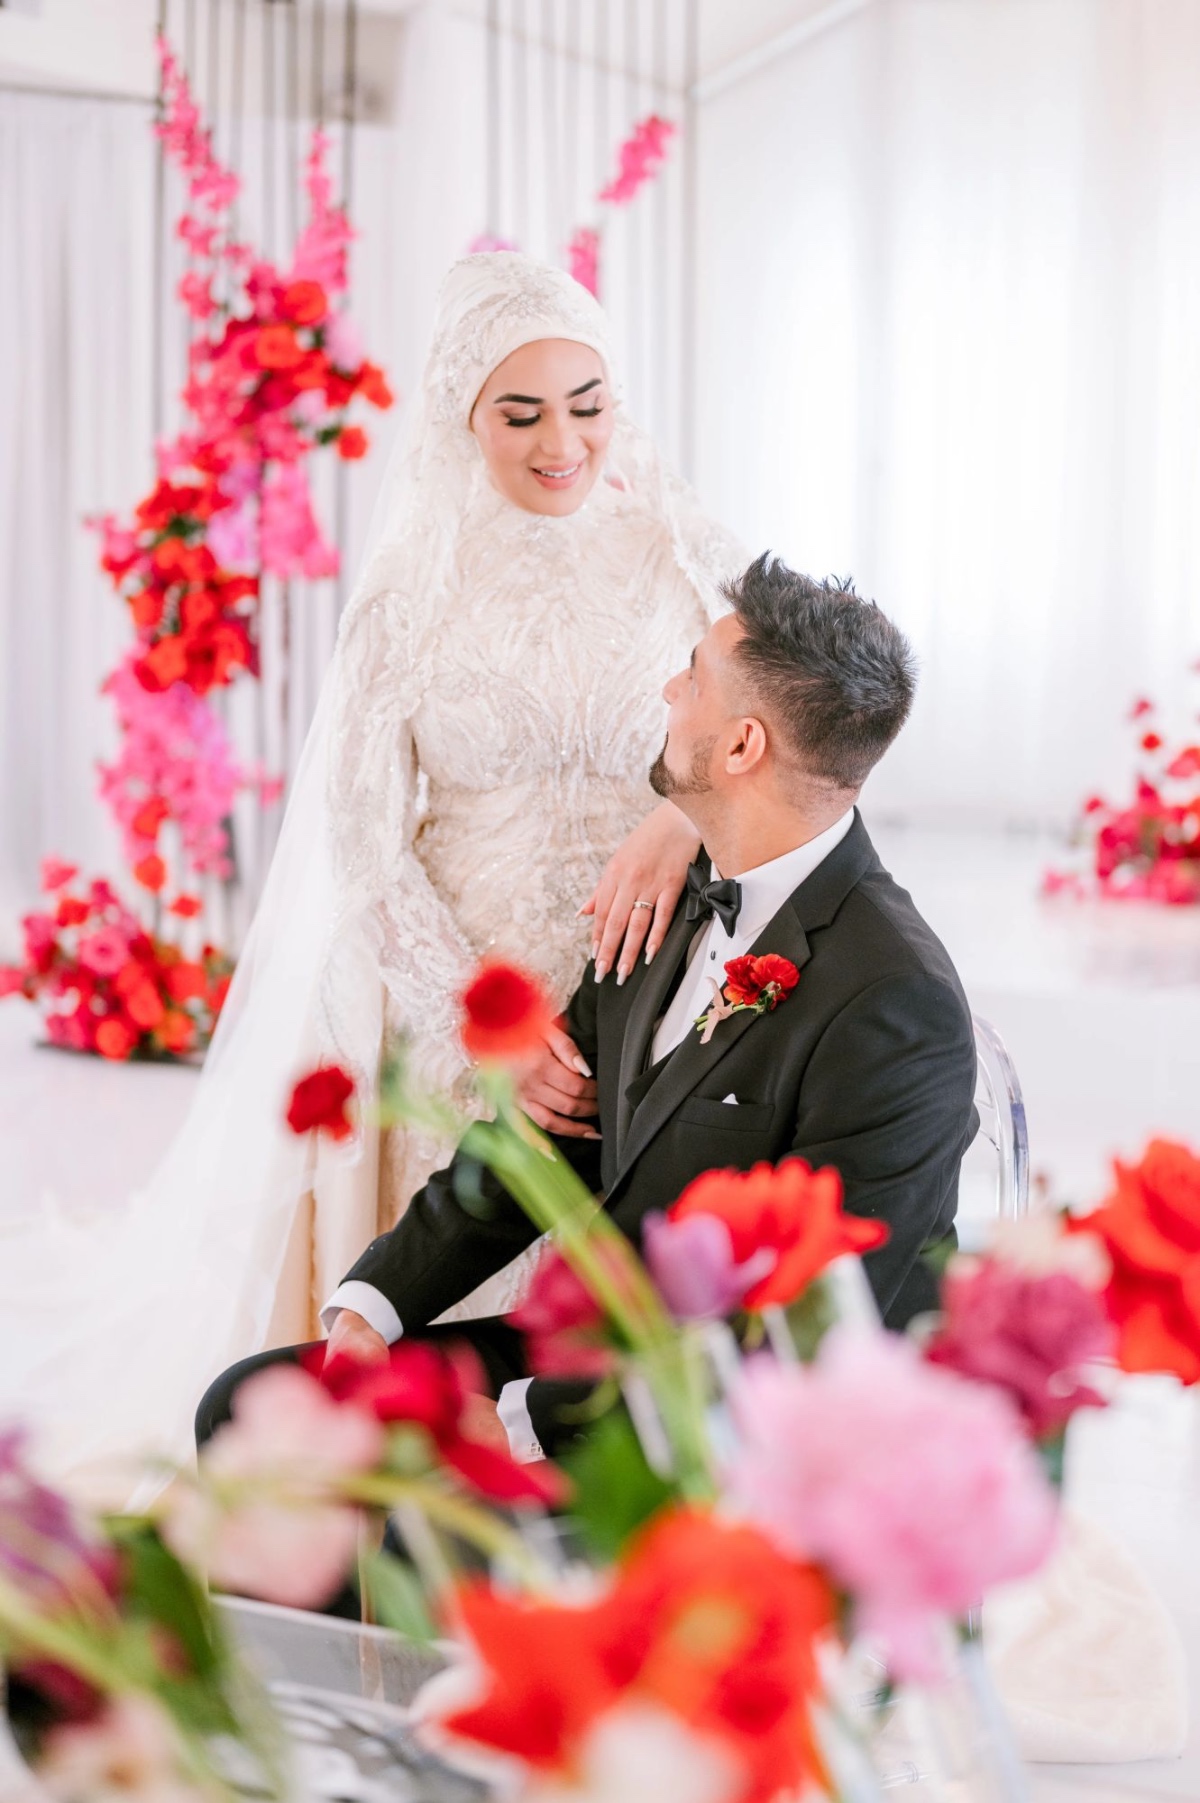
(950, 342)
(75, 438)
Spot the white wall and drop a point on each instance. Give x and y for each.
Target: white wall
(950, 286)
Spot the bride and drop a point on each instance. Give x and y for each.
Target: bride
(476, 769)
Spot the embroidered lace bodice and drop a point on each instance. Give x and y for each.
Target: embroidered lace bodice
(497, 749)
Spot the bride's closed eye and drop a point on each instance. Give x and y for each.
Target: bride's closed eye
(576, 413)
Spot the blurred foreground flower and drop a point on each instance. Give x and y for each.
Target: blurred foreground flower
(704, 1622)
(505, 1014)
(1150, 1228)
(793, 1211)
(915, 1489)
(269, 1520)
(318, 1103)
(129, 1753)
(691, 1260)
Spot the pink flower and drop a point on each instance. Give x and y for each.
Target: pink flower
(694, 1268)
(129, 1752)
(232, 538)
(915, 1490)
(104, 952)
(290, 1540)
(487, 241)
(196, 294)
(344, 343)
(639, 159)
(56, 874)
(583, 258)
(564, 1324)
(1029, 1335)
(290, 540)
(12, 980)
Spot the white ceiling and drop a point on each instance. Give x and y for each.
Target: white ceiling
(106, 44)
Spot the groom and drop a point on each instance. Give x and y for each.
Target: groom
(868, 1065)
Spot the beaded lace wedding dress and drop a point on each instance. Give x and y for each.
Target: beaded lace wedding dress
(480, 750)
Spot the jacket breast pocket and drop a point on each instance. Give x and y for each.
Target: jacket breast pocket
(729, 1117)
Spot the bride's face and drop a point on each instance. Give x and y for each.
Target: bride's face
(543, 420)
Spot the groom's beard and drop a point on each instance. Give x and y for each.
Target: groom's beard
(666, 783)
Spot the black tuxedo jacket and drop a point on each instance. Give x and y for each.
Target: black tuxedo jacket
(869, 1065)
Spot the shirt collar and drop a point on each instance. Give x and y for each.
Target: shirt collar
(767, 886)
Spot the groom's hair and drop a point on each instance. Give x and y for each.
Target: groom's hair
(833, 674)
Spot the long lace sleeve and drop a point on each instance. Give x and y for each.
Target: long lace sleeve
(419, 950)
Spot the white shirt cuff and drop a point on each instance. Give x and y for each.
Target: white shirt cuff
(513, 1410)
(365, 1300)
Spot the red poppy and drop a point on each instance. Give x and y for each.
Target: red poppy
(352, 443)
(1150, 1226)
(790, 1208)
(151, 872)
(318, 1103)
(1152, 741)
(145, 1006)
(115, 1038)
(760, 982)
(147, 607)
(506, 1014)
(430, 1387)
(166, 662)
(304, 303)
(186, 906)
(704, 1619)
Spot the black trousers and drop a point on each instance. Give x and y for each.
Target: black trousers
(498, 1346)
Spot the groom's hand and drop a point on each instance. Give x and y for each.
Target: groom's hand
(352, 1337)
(480, 1421)
(557, 1090)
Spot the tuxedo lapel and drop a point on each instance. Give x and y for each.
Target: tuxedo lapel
(812, 905)
(647, 1006)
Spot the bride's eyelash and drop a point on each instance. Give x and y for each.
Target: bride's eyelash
(576, 413)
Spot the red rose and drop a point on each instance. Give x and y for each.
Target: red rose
(352, 443)
(144, 1005)
(767, 979)
(276, 347)
(115, 1039)
(1150, 1226)
(506, 1014)
(304, 303)
(790, 1208)
(318, 1103)
(147, 607)
(151, 872)
(176, 1031)
(185, 982)
(165, 663)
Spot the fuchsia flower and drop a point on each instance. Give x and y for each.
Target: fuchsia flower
(1030, 1335)
(916, 1490)
(104, 952)
(639, 159)
(583, 258)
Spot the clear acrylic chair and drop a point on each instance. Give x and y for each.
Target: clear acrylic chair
(994, 1183)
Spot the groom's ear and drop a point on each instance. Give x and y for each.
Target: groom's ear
(747, 746)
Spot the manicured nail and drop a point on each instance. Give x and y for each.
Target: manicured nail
(621, 976)
(593, 1136)
(650, 954)
(601, 971)
(582, 1066)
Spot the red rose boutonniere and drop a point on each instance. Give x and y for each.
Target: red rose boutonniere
(751, 984)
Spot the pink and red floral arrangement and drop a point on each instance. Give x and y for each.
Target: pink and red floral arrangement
(274, 367)
(1146, 848)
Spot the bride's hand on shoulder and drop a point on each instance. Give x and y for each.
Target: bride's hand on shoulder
(638, 891)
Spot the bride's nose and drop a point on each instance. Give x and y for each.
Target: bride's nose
(559, 442)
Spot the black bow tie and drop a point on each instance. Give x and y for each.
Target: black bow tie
(723, 898)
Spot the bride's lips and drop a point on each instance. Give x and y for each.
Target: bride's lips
(565, 477)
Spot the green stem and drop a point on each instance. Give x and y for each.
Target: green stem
(470, 1523)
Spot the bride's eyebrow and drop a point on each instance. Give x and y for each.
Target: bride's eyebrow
(536, 400)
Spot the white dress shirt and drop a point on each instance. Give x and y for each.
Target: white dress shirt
(764, 891)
